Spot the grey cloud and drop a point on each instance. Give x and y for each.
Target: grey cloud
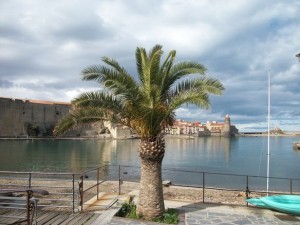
(44, 45)
(11, 32)
(5, 84)
(83, 32)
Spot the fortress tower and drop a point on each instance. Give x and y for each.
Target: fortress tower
(226, 129)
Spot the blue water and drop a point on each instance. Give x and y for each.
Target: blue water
(239, 155)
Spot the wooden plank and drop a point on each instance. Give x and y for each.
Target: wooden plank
(14, 213)
(67, 218)
(91, 220)
(41, 215)
(61, 218)
(105, 217)
(71, 219)
(57, 217)
(7, 220)
(85, 218)
(46, 218)
(82, 217)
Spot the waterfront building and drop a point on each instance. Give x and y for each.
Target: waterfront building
(225, 129)
(181, 127)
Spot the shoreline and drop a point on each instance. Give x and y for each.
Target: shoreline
(182, 136)
(172, 192)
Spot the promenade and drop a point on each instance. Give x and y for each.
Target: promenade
(196, 213)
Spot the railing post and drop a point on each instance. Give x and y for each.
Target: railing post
(203, 188)
(247, 189)
(29, 208)
(119, 179)
(81, 192)
(29, 181)
(98, 183)
(73, 191)
(291, 185)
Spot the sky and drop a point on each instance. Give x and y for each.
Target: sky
(44, 46)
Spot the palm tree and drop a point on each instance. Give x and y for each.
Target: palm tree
(146, 104)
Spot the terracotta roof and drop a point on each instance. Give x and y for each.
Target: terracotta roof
(38, 101)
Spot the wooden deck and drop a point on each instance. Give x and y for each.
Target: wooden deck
(97, 211)
(65, 218)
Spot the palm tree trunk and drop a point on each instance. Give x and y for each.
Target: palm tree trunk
(151, 200)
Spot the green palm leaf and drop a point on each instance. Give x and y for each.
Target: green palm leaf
(146, 105)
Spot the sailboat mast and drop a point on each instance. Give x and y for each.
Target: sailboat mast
(269, 114)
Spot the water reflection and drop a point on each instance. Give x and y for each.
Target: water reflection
(240, 155)
(197, 153)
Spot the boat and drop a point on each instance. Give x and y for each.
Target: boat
(283, 203)
(296, 145)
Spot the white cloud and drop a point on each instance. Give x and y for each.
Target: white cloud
(44, 45)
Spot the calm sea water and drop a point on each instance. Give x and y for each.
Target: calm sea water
(239, 155)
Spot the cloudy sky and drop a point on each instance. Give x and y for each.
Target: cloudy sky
(45, 44)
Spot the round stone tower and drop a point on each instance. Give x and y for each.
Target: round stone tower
(226, 128)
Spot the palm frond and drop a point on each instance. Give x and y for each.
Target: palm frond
(199, 99)
(209, 85)
(165, 70)
(154, 67)
(146, 104)
(122, 85)
(113, 63)
(115, 79)
(203, 84)
(98, 99)
(142, 64)
(184, 68)
(96, 73)
(78, 117)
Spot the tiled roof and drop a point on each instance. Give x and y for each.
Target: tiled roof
(38, 101)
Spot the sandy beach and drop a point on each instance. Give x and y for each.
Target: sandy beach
(58, 190)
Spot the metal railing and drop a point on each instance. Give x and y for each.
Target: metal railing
(62, 187)
(204, 181)
(71, 191)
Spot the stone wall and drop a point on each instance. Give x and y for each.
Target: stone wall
(31, 118)
(21, 118)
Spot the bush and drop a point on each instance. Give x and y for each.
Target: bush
(169, 217)
(128, 210)
(33, 129)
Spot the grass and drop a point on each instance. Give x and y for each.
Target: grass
(128, 210)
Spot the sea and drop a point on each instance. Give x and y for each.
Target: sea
(241, 155)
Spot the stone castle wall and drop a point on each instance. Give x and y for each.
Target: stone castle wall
(19, 118)
(30, 118)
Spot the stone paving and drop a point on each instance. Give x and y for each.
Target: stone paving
(196, 213)
(221, 218)
(221, 215)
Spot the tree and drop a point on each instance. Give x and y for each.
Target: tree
(145, 103)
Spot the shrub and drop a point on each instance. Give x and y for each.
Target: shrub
(128, 210)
